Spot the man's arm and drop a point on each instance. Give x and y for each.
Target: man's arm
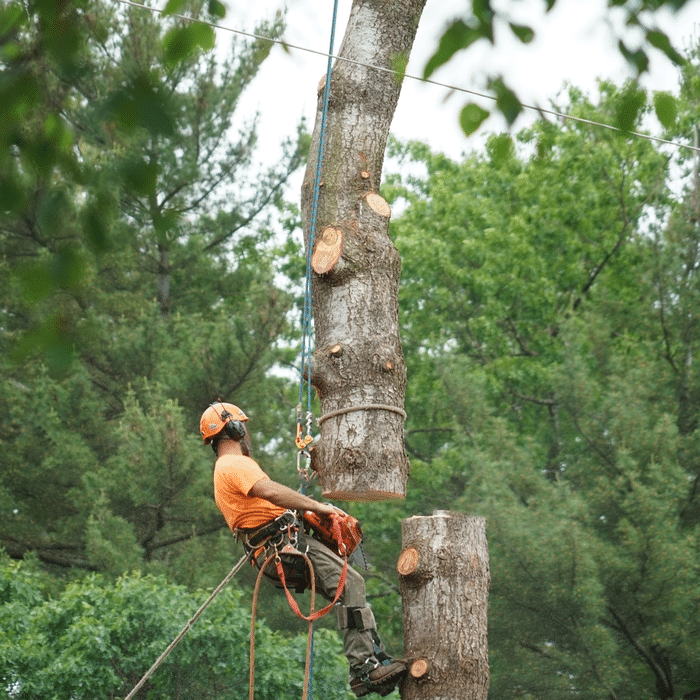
(284, 497)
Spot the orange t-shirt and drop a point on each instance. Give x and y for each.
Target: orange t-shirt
(234, 476)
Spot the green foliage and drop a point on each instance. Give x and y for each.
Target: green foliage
(98, 639)
(548, 323)
(481, 18)
(472, 117)
(117, 147)
(666, 108)
(549, 313)
(153, 269)
(628, 107)
(459, 35)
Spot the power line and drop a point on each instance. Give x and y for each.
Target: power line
(542, 110)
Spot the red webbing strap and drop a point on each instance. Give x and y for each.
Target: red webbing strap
(290, 599)
(341, 582)
(293, 604)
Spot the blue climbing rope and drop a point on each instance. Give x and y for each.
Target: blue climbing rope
(305, 373)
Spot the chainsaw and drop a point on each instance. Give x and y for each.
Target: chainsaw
(340, 532)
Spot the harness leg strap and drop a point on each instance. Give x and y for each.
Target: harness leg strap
(353, 618)
(362, 620)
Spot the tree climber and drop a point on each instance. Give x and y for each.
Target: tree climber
(263, 515)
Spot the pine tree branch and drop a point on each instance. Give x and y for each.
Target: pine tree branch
(664, 685)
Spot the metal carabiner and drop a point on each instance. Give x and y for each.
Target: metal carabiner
(293, 535)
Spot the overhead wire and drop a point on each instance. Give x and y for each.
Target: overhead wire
(429, 81)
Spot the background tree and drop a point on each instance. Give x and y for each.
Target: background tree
(546, 367)
(180, 308)
(99, 638)
(638, 35)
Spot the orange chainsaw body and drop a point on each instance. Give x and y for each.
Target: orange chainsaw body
(327, 529)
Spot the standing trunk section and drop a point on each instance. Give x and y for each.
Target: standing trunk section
(358, 367)
(444, 577)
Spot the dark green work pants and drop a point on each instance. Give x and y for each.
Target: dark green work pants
(355, 619)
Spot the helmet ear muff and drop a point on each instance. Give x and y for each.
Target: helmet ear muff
(234, 429)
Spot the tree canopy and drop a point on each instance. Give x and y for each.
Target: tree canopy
(177, 305)
(485, 19)
(549, 322)
(550, 317)
(109, 634)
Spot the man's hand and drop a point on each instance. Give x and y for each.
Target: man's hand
(324, 509)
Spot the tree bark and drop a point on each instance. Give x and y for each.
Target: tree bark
(444, 577)
(358, 362)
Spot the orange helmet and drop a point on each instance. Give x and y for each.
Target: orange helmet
(220, 416)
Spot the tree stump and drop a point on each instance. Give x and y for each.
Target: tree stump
(444, 577)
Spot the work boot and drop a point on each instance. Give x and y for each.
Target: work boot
(375, 677)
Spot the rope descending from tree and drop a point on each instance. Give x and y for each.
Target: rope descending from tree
(305, 373)
(310, 618)
(305, 370)
(187, 627)
(308, 669)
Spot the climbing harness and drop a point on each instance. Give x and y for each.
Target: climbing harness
(187, 627)
(276, 542)
(282, 538)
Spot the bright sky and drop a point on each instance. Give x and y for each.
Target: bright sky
(574, 44)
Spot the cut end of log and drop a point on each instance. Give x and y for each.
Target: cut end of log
(419, 669)
(378, 205)
(335, 350)
(364, 174)
(408, 561)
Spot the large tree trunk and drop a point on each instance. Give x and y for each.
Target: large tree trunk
(444, 578)
(358, 367)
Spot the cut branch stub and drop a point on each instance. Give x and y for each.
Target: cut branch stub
(419, 669)
(327, 250)
(378, 205)
(408, 561)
